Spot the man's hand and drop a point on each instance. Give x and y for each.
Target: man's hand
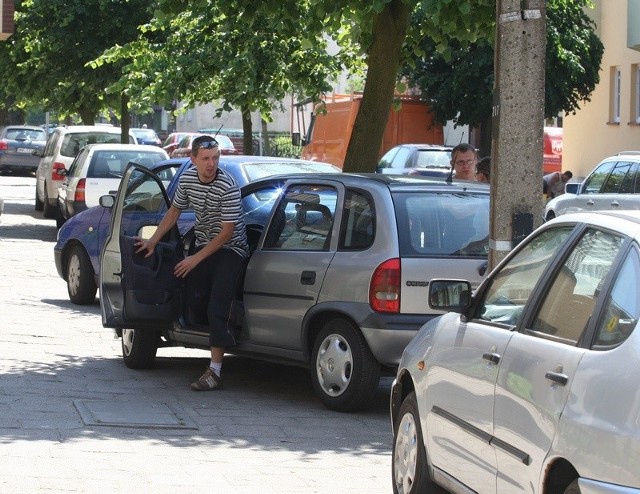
(146, 246)
(184, 267)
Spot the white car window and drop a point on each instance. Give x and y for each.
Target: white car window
(571, 298)
(509, 290)
(594, 182)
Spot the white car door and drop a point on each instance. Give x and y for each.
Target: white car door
(465, 361)
(539, 365)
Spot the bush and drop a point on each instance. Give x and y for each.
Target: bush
(282, 147)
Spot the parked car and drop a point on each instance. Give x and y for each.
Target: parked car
(531, 385)
(81, 238)
(417, 159)
(184, 146)
(17, 146)
(336, 282)
(62, 146)
(613, 184)
(97, 171)
(146, 136)
(172, 141)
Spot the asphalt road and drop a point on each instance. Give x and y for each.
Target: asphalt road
(73, 418)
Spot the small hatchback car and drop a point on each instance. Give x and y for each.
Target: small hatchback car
(532, 384)
(337, 280)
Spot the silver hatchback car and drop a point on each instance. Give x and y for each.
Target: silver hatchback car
(337, 280)
(531, 385)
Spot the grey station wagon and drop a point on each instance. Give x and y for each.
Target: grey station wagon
(337, 280)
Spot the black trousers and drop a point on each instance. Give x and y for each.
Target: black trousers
(211, 288)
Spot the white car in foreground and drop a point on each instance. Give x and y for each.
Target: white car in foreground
(531, 385)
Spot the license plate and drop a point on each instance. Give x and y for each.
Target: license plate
(24, 150)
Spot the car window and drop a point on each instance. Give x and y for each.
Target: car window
(442, 224)
(622, 305)
(509, 290)
(387, 159)
(75, 169)
(111, 163)
(358, 221)
(402, 159)
(616, 178)
(52, 142)
(73, 142)
(303, 220)
(571, 298)
(594, 182)
(185, 142)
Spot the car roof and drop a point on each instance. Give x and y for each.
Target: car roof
(124, 147)
(632, 215)
(88, 128)
(395, 182)
(434, 147)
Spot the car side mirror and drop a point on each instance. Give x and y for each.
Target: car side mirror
(450, 295)
(572, 187)
(107, 201)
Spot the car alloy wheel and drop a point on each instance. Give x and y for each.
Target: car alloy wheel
(81, 285)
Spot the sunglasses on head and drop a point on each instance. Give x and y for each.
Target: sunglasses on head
(205, 145)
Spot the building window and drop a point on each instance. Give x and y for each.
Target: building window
(614, 110)
(635, 93)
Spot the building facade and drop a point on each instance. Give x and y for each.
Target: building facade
(610, 122)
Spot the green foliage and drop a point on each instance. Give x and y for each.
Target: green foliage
(44, 62)
(460, 84)
(283, 147)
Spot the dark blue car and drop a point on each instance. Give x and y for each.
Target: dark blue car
(80, 239)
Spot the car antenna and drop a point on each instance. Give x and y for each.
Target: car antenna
(219, 129)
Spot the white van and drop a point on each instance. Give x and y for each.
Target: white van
(62, 146)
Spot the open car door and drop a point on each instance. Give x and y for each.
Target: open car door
(138, 292)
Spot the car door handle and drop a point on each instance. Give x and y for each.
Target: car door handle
(308, 278)
(557, 377)
(491, 357)
(590, 202)
(615, 203)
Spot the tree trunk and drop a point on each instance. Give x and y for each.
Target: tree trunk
(247, 130)
(389, 31)
(266, 151)
(87, 115)
(124, 118)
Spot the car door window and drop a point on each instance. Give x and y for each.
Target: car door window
(509, 290)
(571, 298)
(616, 178)
(594, 182)
(622, 305)
(303, 220)
(359, 221)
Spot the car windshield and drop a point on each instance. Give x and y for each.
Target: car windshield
(255, 171)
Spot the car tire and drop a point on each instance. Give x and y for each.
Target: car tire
(139, 348)
(344, 373)
(409, 467)
(573, 488)
(48, 211)
(81, 284)
(39, 203)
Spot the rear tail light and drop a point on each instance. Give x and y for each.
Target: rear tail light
(57, 166)
(3, 145)
(79, 195)
(384, 290)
